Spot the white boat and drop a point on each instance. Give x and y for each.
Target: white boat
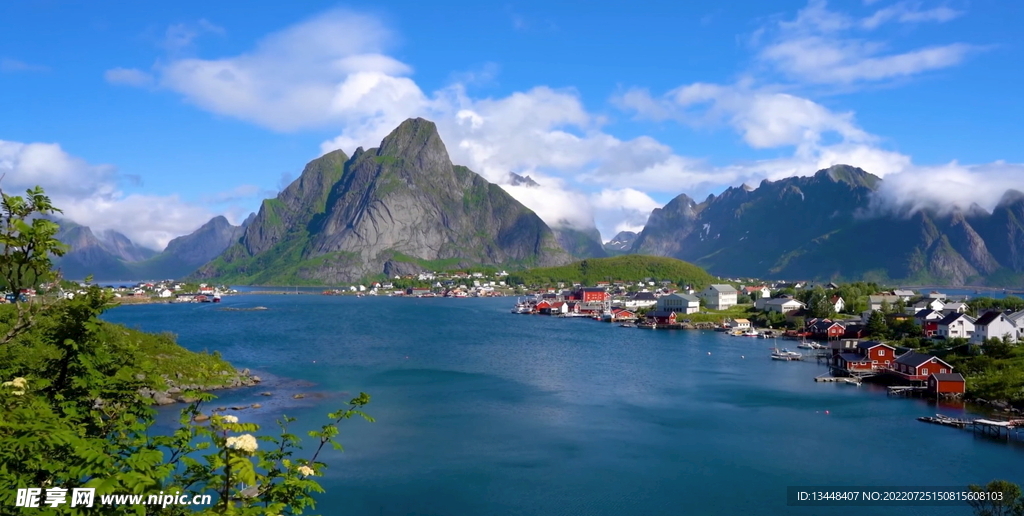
(785, 354)
(750, 333)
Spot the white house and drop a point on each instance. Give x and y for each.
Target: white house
(760, 292)
(905, 295)
(994, 325)
(875, 302)
(959, 308)
(719, 297)
(956, 325)
(678, 303)
(837, 303)
(739, 324)
(166, 293)
(783, 305)
(929, 304)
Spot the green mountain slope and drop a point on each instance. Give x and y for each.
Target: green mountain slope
(618, 268)
(385, 210)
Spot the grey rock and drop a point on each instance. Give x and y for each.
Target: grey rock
(256, 405)
(299, 396)
(161, 398)
(200, 417)
(266, 394)
(256, 379)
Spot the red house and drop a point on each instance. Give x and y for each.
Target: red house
(826, 329)
(662, 317)
(853, 363)
(946, 384)
(620, 314)
(543, 307)
(881, 355)
(593, 295)
(919, 366)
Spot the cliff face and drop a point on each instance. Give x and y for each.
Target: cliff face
(825, 227)
(621, 242)
(398, 207)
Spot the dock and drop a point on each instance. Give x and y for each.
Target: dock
(1004, 430)
(906, 390)
(843, 379)
(939, 419)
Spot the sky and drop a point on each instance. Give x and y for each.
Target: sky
(151, 118)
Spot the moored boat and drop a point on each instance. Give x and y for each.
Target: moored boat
(785, 354)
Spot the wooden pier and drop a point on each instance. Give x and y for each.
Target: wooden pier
(906, 390)
(1006, 430)
(939, 419)
(843, 379)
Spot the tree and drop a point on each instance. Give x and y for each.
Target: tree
(1001, 498)
(28, 241)
(998, 348)
(877, 327)
(73, 415)
(819, 304)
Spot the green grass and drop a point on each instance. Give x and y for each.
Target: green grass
(717, 316)
(617, 268)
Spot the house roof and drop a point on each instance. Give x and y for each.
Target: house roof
(661, 313)
(954, 306)
(923, 314)
(594, 289)
(879, 299)
(834, 299)
(725, 289)
(951, 318)
(688, 298)
(645, 296)
(902, 293)
(948, 377)
(782, 301)
(853, 357)
(915, 359)
(987, 318)
(869, 344)
(741, 321)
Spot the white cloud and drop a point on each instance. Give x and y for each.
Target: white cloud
(910, 12)
(128, 77)
(817, 45)
(13, 65)
(941, 187)
(181, 36)
(89, 194)
(624, 209)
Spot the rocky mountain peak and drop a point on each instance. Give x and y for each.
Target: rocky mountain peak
(852, 176)
(417, 141)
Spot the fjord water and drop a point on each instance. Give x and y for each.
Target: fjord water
(480, 411)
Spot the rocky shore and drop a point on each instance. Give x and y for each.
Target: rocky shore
(998, 407)
(177, 392)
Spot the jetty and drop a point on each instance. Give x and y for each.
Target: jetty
(842, 379)
(906, 390)
(1005, 430)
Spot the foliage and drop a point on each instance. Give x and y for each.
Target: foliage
(73, 416)
(877, 326)
(980, 305)
(1011, 503)
(618, 268)
(819, 305)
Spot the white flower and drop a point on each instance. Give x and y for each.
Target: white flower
(306, 471)
(245, 443)
(229, 419)
(17, 385)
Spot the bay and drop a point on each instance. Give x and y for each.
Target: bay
(480, 411)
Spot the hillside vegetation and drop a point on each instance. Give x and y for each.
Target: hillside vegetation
(618, 268)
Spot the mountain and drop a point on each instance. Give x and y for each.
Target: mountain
(580, 243)
(621, 243)
(110, 255)
(518, 180)
(89, 254)
(829, 226)
(627, 268)
(389, 210)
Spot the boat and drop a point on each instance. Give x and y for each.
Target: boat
(750, 333)
(768, 334)
(627, 325)
(216, 298)
(785, 354)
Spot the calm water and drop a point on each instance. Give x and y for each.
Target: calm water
(480, 411)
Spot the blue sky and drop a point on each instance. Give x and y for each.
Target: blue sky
(151, 118)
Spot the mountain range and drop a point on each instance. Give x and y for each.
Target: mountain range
(403, 207)
(109, 255)
(831, 226)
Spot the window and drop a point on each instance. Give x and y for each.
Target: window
(924, 371)
(943, 370)
(881, 352)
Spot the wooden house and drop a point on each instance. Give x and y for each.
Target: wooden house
(946, 384)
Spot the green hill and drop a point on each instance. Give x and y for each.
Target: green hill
(619, 268)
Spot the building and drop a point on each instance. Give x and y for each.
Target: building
(783, 305)
(881, 355)
(719, 297)
(929, 304)
(680, 303)
(955, 326)
(417, 291)
(928, 320)
(661, 317)
(641, 300)
(955, 307)
(593, 295)
(758, 292)
(876, 302)
(916, 366)
(559, 307)
(739, 324)
(905, 295)
(837, 303)
(994, 325)
(826, 329)
(947, 384)
(852, 363)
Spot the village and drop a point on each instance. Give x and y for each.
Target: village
(167, 291)
(840, 342)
